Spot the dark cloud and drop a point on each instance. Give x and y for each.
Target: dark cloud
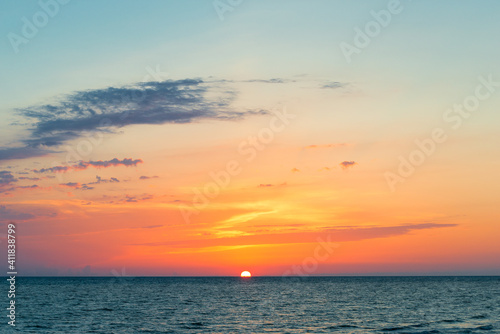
(8, 214)
(101, 180)
(81, 165)
(56, 169)
(23, 152)
(54, 140)
(34, 186)
(134, 199)
(180, 101)
(74, 185)
(6, 178)
(114, 162)
(7, 181)
(29, 178)
(347, 164)
(148, 177)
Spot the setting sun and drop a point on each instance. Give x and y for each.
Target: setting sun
(246, 274)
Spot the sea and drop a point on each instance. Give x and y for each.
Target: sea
(255, 305)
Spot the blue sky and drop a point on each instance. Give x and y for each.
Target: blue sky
(89, 44)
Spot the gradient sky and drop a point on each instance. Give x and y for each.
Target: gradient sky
(117, 115)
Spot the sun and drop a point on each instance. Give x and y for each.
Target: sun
(245, 274)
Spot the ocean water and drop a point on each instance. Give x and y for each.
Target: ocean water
(257, 305)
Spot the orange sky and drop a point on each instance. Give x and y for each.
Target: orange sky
(163, 140)
(292, 209)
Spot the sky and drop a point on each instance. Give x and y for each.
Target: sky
(195, 138)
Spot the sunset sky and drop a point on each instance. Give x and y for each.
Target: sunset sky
(210, 137)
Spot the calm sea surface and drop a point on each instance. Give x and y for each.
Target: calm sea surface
(257, 305)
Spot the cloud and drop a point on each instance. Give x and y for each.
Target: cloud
(11, 153)
(295, 170)
(114, 162)
(327, 146)
(81, 165)
(347, 164)
(7, 214)
(25, 212)
(272, 81)
(148, 177)
(333, 85)
(74, 185)
(56, 169)
(29, 178)
(34, 186)
(6, 178)
(328, 235)
(134, 199)
(101, 180)
(262, 185)
(7, 181)
(171, 101)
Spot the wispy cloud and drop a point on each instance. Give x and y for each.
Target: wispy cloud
(101, 180)
(87, 186)
(9, 214)
(172, 101)
(143, 177)
(272, 81)
(76, 185)
(347, 164)
(135, 199)
(95, 164)
(333, 85)
(11, 153)
(327, 145)
(6, 178)
(8, 183)
(332, 235)
(268, 185)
